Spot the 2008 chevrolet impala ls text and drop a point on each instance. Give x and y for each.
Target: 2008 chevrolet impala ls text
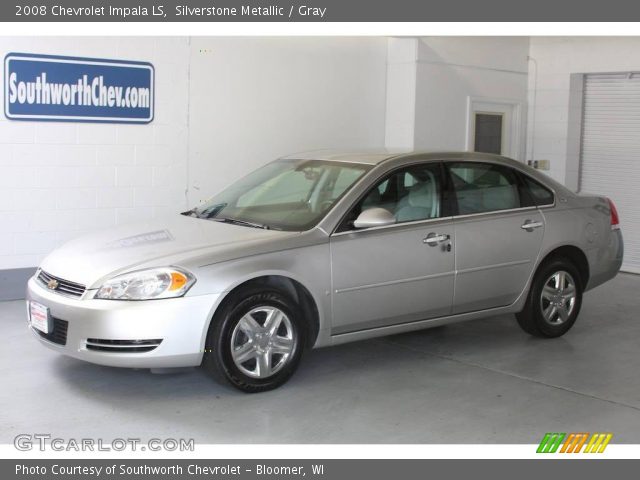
(324, 248)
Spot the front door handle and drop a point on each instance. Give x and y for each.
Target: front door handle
(434, 239)
(529, 225)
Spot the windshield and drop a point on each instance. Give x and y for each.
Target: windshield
(283, 195)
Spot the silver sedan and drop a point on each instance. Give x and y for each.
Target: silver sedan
(320, 249)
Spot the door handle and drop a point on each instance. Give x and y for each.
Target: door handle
(529, 226)
(434, 239)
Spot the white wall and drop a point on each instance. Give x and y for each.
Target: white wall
(59, 180)
(449, 70)
(255, 99)
(402, 67)
(553, 134)
(452, 69)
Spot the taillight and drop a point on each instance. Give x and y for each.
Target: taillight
(615, 220)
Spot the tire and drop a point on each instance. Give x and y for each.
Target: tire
(538, 317)
(246, 352)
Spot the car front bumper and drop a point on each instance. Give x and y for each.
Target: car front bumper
(124, 328)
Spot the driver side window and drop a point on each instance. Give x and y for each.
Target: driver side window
(409, 194)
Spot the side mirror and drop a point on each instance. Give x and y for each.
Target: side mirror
(374, 217)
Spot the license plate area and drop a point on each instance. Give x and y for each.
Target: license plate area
(39, 317)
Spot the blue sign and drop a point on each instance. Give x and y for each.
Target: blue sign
(71, 89)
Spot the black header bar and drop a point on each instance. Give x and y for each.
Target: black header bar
(319, 11)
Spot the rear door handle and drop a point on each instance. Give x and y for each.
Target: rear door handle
(434, 239)
(528, 225)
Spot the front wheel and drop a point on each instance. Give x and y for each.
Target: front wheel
(256, 342)
(554, 300)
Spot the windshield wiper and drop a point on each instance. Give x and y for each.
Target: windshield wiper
(206, 213)
(190, 213)
(244, 223)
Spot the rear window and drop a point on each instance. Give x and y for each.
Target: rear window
(540, 194)
(483, 187)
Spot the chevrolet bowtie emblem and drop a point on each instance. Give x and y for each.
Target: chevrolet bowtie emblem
(52, 284)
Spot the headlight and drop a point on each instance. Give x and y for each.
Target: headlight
(147, 285)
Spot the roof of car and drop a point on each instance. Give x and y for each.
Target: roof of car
(371, 157)
(374, 157)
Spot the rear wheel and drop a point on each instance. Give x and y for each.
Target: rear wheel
(256, 341)
(554, 300)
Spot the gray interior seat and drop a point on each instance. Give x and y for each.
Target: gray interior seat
(420, 203)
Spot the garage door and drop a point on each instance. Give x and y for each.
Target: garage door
(610, 163)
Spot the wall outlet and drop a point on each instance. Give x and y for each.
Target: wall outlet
(539, 164)
(542, 164)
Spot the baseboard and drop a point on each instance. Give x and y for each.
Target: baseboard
(13, 282)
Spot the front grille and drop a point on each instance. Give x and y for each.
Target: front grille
(59, 285)
(58, 333)
(122, 346)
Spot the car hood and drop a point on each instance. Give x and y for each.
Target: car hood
(94, 257)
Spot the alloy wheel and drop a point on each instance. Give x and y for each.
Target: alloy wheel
(262, 342)
(558, 298)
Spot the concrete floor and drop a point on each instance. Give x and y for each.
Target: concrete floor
(479, 382)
